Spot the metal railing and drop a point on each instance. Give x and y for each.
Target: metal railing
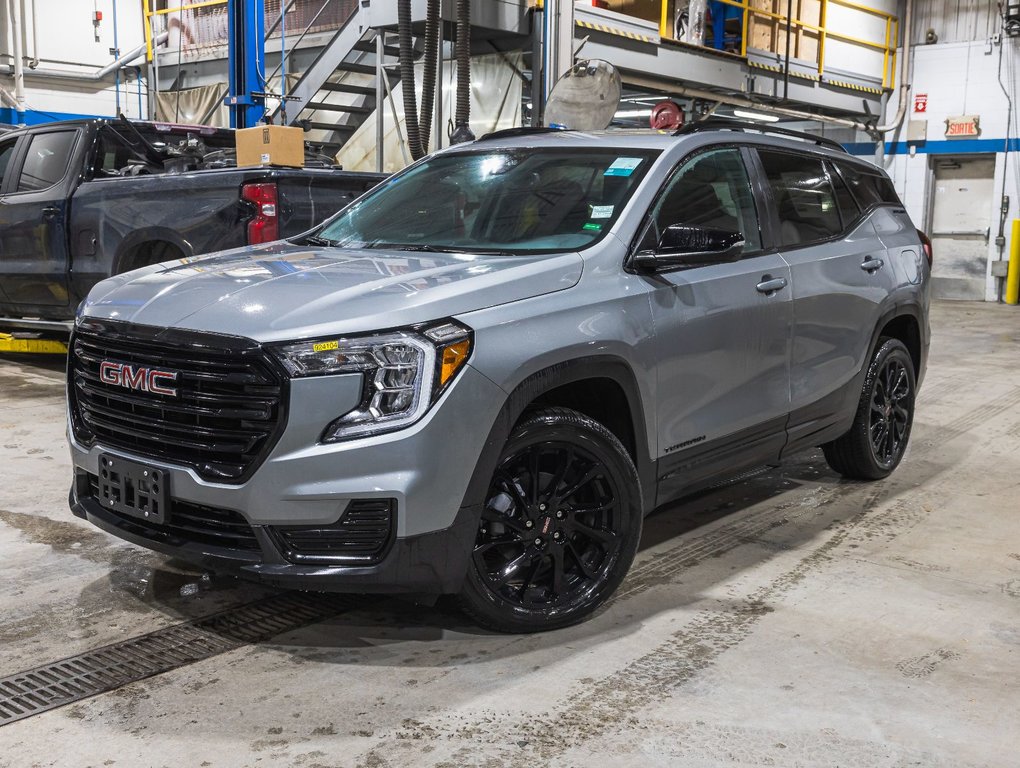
(795, 26)
(203, 24)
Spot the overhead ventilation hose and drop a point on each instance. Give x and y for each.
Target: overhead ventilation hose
(428, 92)
(406, 58)
(462, 112)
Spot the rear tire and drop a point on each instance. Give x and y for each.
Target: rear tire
(148, 254)
(874, 446)
(560, 526)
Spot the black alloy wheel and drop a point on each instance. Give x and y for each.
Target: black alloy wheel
(559, 528)
(874, 445)
(890, 416)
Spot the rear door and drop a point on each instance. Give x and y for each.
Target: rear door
(34, 258)
(841, 285)
(722, 331)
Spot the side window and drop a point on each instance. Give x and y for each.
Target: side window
(870, 188)
(805, 200)
(849, 211)
(710, 190)
(47, 160)
(6, 155)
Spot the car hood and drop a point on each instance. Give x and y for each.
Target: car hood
(283, 291)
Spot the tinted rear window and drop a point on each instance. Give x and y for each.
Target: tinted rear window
(804, 197)
(870, 188)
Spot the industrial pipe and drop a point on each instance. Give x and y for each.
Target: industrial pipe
(901, 111)
(407, 79)
(462, 113)
(14, 12)
(99, 74)
(428, 85)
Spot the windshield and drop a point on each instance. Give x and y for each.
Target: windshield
(507, 201)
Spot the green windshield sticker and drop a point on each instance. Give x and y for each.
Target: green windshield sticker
(623, 166)
(592, 227)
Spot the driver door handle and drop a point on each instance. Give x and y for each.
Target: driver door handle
(871, 265)
(770, 285)
(50, 212)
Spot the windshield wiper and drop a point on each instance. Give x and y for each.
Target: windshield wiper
(426, 248)
(316, 240)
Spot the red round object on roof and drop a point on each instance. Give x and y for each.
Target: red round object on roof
(666, 116)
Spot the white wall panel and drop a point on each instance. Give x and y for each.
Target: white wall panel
(954, 21)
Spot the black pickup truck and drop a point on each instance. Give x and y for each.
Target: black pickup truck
(85, 199)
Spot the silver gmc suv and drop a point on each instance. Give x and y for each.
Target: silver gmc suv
(480, 377)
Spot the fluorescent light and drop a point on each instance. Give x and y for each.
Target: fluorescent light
(755, 116)
(634, 113)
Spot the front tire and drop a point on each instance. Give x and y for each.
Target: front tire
(875, 444)
(559, 528)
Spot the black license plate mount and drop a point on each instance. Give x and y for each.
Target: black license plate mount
(134, 489)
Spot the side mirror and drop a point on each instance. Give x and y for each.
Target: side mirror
(685, 247)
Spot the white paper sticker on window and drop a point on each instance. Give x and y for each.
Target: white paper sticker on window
(623, 166)
(601, 211)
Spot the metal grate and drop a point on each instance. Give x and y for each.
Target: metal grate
(38, 690)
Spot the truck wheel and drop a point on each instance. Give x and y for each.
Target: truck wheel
(560, 526)
(875, 444)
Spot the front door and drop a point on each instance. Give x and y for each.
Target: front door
(33, 222)
(722, 332)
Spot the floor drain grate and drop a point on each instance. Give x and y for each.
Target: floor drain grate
(29, 693)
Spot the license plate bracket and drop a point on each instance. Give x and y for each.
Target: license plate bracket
(134, 489)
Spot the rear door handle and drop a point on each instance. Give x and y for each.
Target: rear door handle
(871, 265)
(770, 285)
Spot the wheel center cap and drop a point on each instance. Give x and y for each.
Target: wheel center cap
(547, 524)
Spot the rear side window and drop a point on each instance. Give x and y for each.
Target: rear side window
(46, 162)
(805, 200)
(870, 188)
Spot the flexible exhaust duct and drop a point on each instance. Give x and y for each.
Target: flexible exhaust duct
(428, 90)
(406, 58)
(462, 113)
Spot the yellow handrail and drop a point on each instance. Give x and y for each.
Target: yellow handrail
(887, 46)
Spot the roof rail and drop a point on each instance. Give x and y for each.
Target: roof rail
(732, 124)
(509, 133)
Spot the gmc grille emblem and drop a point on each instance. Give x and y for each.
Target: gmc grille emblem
(144, 379)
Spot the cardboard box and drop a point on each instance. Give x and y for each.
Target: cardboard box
(271, 145)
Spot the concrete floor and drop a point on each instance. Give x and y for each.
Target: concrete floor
(787, 619)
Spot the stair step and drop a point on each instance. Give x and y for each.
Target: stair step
(361, 90)
(368, 46)
(361, 69)
(340, 108)
(333, 127)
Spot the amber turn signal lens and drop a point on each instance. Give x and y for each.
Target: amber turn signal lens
(453, 358)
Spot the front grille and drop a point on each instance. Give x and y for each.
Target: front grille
(225, 418)
(361, 537)
(188, 523)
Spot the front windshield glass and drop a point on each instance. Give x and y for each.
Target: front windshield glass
(507, 200)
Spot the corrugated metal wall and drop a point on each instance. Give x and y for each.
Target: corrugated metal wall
(955, 21)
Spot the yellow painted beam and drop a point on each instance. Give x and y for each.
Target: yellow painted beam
(1013, 275)
(13, 345)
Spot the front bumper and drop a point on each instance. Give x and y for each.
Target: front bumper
(425, 469)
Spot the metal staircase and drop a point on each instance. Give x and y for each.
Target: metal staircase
(337, 92)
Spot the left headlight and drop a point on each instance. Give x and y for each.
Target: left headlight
(404, 372)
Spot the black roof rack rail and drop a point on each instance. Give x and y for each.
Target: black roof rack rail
(732, 124)
(509, 133)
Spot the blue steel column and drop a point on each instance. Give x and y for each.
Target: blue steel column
(246, 61)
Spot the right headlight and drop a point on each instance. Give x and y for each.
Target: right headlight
(404, 373)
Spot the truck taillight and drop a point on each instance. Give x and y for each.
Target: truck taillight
(926, 244)
(264, 227)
